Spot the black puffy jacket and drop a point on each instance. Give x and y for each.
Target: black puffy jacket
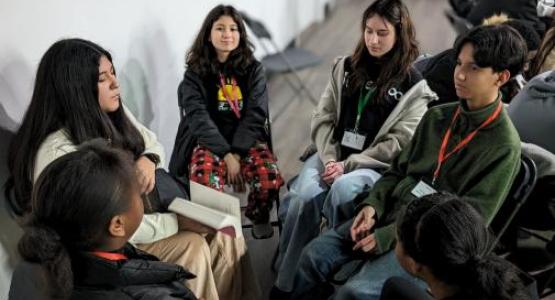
(141, 276)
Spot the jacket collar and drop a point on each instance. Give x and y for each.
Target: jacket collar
(139, 268)
(477, 117)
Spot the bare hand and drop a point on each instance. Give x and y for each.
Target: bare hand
(233, 165)
(366, 244)
(360, 230)
(186, 224)
(146, 169)
(332, 171)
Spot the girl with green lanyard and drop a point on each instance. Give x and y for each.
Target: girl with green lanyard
(366, 115)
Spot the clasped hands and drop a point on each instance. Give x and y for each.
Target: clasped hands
(361, 230)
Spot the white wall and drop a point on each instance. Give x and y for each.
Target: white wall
(147, 39)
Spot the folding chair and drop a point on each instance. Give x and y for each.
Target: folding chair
(506, 229)
(291, 59)
(520, 190)
(462, 7)
(268, 129)
(461, 25)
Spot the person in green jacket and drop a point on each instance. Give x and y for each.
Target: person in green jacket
(469, 148)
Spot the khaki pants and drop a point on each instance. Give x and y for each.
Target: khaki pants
(221, 264)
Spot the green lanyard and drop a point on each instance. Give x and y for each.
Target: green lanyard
(362, 101)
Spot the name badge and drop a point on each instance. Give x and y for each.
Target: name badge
(353, 140)
(422, 189)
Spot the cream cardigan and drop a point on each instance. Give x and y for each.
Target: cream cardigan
(154, 226)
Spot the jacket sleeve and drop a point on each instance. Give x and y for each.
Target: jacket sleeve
(394, 177)
(379, 196)
(54, 146)
(251, 125)
(381, 152)
(155, 227)
(493, 179)
(198, 117)
(151, 142)
(324, 119)
(384, 187)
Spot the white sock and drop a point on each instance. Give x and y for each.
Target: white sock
(545, 8)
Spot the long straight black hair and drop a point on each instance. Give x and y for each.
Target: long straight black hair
(202, 58)
(73, 203)
(399, 59)
(65, 96)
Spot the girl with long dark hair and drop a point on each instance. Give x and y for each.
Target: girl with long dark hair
(85, 207)
(366, 115)
(544, 60)
(76, 98)
(222, 138)
(72, 103)
(444, 241)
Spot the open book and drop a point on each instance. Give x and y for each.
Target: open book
(211, 208)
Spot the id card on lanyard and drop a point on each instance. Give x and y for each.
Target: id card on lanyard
(233, 102)
(422, 189)
(443, 156)
(353, 138)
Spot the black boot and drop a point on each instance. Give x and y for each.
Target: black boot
(260, 217)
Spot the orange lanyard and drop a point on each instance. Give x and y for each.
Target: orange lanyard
(235, 103)
(442, 156)
(109, 255)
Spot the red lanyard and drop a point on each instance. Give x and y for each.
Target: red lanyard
(109, 255)
(235, 103)
(442, 156)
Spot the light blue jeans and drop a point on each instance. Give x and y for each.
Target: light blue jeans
(327, 253)
(309, 199)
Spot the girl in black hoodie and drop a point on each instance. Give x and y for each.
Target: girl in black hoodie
(223, 136)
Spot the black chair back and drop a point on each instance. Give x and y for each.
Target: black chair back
(257, 27)
(520, 190)
(461, 25)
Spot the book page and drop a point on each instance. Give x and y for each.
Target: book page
(214, 199)
(212, 218)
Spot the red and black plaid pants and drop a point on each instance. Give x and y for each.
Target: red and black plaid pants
(258, 167)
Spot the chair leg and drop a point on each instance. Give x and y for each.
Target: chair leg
(274, 259)
(545, 289)
(278, 220)
(279, 224)
(297, 77)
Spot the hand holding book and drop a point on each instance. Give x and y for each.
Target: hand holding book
(187, 224)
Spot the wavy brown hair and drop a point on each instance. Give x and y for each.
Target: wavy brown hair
(399, 59)
(537, 63)
(202, 58)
